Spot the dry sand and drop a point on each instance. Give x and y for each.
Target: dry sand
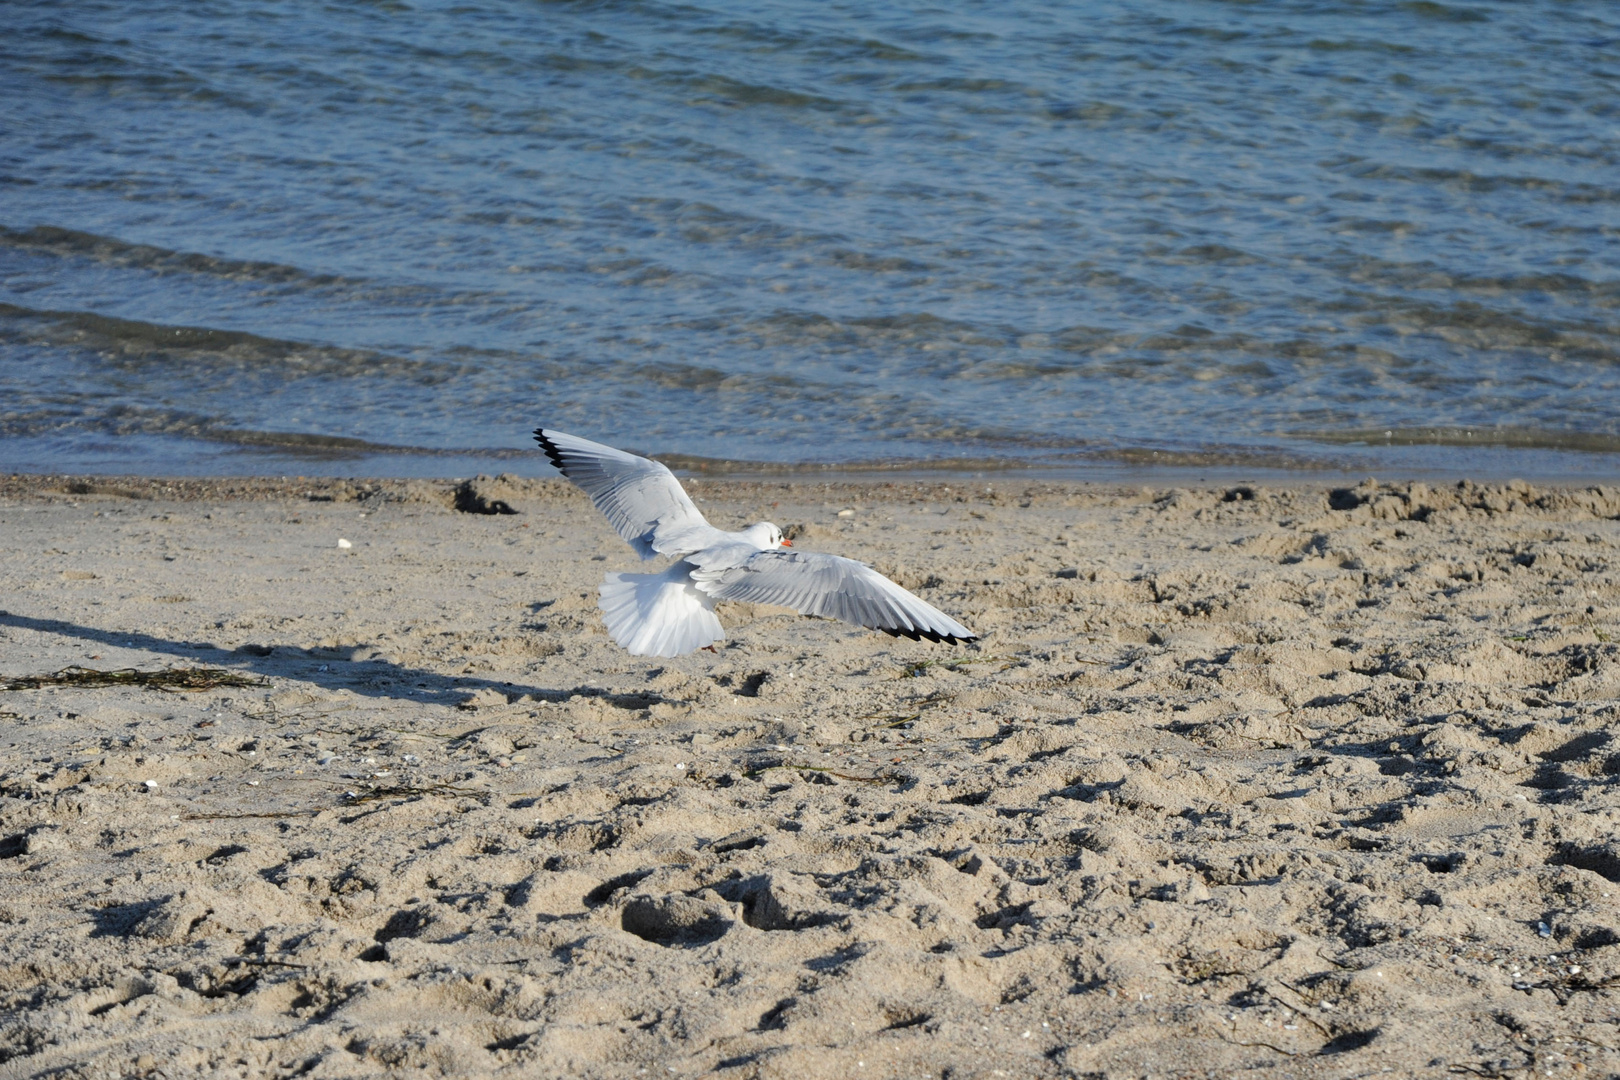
(1237, 783)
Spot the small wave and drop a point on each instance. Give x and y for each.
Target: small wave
(1369, 270)
(1475, 183)
(1135, 456)
(1095, 113)
(1473, 325)
(790, 327)
(937, 347)
(1392, 226)
(1518, 438)
(111, 251)
(125, 421)
(206, 352)
(1360, 45)
(1241, 457)
(709, 88)
(1218, 254)
(877, 264)
(704, 466)
(337, 446)
(1451, 13)
(267, 277)
(702, 223)
(824, 47)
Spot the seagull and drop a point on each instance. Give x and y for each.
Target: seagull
(672, 613)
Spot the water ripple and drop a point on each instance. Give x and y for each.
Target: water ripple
(1171, 232)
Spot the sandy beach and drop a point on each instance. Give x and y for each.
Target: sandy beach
(1238, 782)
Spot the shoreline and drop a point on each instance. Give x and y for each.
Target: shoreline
(1437, 456)
(1296, 780)
(445, 491)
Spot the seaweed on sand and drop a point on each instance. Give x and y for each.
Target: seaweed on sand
(395, 792)
(921, 667)
(174, 679)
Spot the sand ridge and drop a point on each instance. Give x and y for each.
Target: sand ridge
(1298, 781)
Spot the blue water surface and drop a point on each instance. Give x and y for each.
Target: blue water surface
(394, 237)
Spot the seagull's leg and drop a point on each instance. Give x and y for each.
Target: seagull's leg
(711, 648)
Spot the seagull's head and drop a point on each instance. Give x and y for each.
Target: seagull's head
(767, 536)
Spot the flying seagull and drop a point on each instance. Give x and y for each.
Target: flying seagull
(672, 613)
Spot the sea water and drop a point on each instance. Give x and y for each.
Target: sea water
(393, 237)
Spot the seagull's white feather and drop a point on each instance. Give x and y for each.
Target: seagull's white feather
(641, 498)
(659, 614)
(830, 586)
(673, 613)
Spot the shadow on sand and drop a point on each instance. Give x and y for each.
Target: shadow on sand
(326, 668)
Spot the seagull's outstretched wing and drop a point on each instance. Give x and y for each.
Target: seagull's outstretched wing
(641, 498)
(833, 587)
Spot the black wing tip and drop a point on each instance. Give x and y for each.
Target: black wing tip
(931, 635)
(552, 453)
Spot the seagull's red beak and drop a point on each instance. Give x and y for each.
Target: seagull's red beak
(787, 543)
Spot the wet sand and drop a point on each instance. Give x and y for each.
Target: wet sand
(1238, 782)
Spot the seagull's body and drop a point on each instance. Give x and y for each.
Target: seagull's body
(672, 613)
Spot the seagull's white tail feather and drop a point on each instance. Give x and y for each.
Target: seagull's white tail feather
(659, 614)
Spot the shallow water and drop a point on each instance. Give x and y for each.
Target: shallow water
(392, 238)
